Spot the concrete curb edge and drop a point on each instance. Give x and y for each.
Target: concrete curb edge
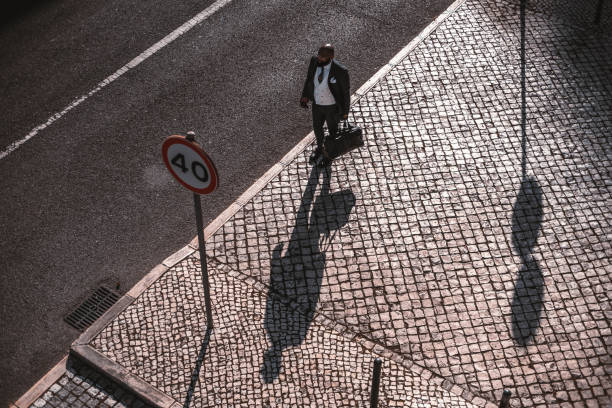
(147, 280)
(42, 385)
(123, 377)
(416, 41)
(114, 311)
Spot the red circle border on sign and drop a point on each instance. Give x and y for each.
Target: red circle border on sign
(214, 178)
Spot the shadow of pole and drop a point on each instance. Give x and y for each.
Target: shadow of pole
(527, 217)
(195, 376)
(529, 287)
(296, 276)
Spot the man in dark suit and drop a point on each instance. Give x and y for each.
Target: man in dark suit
(327, 86)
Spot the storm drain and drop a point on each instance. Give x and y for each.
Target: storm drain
(92, 309)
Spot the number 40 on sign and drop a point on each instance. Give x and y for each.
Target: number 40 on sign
(189, 164)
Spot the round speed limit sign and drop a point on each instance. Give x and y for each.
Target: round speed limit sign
(189, 164)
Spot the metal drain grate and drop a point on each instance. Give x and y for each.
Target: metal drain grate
(92, 309)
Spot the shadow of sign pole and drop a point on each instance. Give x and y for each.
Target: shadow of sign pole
(201, 246)
(523, 92)
(195, 376)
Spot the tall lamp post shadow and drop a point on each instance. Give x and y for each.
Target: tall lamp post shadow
(527, 215)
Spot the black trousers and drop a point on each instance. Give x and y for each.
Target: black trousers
(322, 114)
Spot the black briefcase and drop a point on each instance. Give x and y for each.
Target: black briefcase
(348, 137)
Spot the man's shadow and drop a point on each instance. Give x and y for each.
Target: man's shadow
(295, 277)
(527, 217)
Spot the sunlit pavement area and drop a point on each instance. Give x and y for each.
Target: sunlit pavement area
(467, 243)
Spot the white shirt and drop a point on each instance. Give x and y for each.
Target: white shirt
(322, 94)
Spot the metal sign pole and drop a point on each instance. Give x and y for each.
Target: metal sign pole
(505, 401)
(192, 167)
(375, 383)
(198, 211)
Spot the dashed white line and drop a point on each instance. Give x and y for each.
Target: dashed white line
(188, 25)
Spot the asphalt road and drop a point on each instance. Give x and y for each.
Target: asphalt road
(87, 201)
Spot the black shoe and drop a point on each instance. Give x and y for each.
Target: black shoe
(314, 156)
(324, 162)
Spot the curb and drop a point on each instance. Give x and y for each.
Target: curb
(42, 385)
(121, 376)
(416, 41)
(82, 350)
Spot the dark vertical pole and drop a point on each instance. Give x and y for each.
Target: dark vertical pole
(598, 12)
(198, 211)
(375, 383)
(505, 401)
(201, 246)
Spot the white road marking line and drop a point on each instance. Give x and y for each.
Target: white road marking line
(203, 15)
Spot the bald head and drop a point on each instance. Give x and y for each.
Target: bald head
(326, 53)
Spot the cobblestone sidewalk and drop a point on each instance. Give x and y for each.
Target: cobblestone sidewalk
(468, 243)
(80, 386)
(263, 352)
(479, 244)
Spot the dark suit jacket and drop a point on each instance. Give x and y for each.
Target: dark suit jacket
(341, 90)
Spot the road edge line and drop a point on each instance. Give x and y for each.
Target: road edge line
(143, 56)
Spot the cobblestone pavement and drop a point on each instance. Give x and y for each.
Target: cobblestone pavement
(578, 14)
(81, 386)
(470, 239)
(264, 350)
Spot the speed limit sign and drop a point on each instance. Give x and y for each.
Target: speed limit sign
(193, 169)
(189, 164)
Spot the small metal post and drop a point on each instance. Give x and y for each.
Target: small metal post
(201, 246)
(505, 400)
(598, 12)
(375, 383)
